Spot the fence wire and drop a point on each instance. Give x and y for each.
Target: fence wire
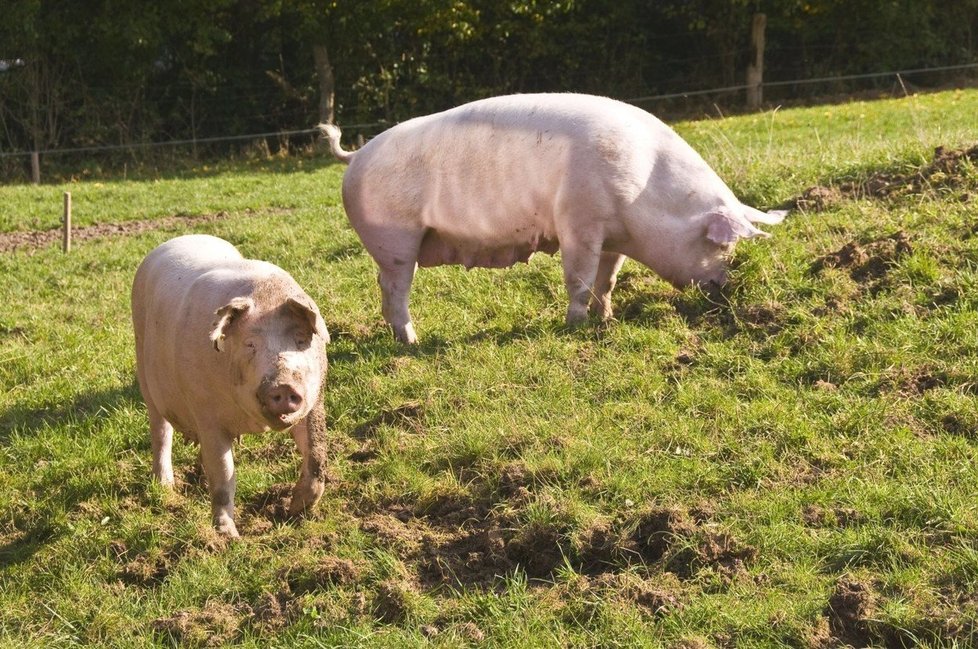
(659, 97)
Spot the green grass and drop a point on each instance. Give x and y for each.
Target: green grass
(689, 475)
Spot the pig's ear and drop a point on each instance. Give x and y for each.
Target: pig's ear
(772, 217)
(225, 316)
(305, 307)
(723, 227)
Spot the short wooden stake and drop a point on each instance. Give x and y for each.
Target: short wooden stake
(35, 167)
(66, 229)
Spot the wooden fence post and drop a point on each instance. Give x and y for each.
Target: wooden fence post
(66, 225)
(35, 167)
(755, 70)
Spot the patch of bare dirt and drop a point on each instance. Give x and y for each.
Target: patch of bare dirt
(867, 261)
(680, 540)
(273, 611)
(850, 608)
(324, 572)
(656, 598)
(950, 169)
(215, 625)
(818, 199)
(539, 549)
(392, 601)
(819, 516)
(913, 382)
(461, 540)
(141, 569)
(407, 414)
(35, 239)
(658, 529)
(393, 532)
(768, 318)
(475, 556)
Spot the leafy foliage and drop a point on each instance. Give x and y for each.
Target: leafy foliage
(78, 74)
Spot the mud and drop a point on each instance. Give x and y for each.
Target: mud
(950, 170)
(850, 609)
(141, 569)
(392, 601)
(326, 571)
(867, 261)
(817, 516)
(656, 598)
(36, 239)
(216, 625)
(407, 414)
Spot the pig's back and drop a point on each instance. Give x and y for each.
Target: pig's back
(498, 169)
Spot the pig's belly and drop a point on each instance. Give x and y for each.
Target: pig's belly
(439, 247)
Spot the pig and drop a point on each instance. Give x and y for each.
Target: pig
(225, 346)
(493, 181)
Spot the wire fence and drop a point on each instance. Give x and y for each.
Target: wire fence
(896, 74)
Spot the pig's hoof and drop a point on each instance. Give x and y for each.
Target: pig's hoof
(575, 320)
(304, 497)
(601, 312)
(226, 527)
(406, 334)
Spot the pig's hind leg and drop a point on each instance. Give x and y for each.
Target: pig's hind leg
(395, 287)
(160, 431)
(604, 283)
(161, 443)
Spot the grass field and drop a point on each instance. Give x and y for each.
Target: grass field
(796, 466)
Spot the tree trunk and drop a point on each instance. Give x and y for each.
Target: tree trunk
(326, 83)
(755, 71)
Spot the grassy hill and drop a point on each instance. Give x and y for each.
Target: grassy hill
(795, 466)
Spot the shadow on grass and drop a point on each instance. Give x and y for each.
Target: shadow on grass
(380, 342)
(39, 523)
(29, 421)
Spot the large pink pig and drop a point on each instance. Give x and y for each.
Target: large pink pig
(491, 182)
(224, 346)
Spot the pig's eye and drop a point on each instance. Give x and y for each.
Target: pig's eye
(301, 341)
(251, 346)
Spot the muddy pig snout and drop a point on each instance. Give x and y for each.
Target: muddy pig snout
(281, 396)
(282, 399)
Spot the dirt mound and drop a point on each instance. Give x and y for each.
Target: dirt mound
(326, 571)
(392, 601)
(817, 199)
(949, 169)
(477, 556)
(658, 529)
(657, 598)
(867, 260)
(539, 549)
(142, 569)
(216, 625)
(851, 606)
(463, 540)
(407, 414)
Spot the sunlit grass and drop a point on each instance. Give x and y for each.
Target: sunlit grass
(492, 485)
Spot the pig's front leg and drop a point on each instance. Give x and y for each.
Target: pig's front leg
(580, 261)
(604, 284)
(215, 455)
(310, 437)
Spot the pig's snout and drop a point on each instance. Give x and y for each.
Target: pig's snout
(283, 400)
(280, 400)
